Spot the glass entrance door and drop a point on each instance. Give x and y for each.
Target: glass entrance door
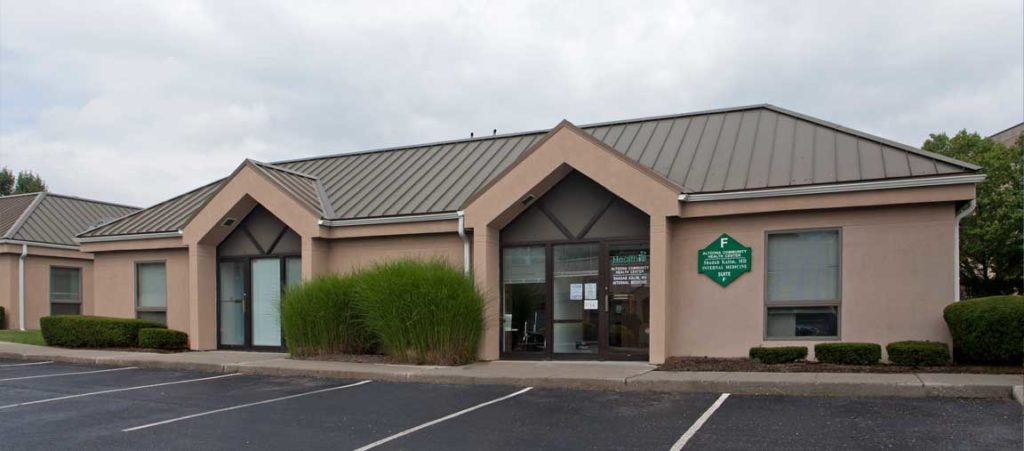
(628, 299)
(249, 300)
(575, 276)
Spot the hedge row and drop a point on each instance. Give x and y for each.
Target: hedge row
(103, 332)
(781, 354)
(3, 318)
(910, 353)
(918, 353)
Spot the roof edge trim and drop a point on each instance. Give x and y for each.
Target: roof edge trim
(39, 244)
(135, 236)
(390, 219)
(835, 188)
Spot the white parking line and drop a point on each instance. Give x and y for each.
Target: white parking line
(444, 418)
(241, 406)
(115, 390)
(10, 365)
(697, 424)
(67, 374)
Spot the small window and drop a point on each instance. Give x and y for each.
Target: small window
(802, 291)
(151, 291)
(65, 291)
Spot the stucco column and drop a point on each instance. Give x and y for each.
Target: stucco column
(315, 253)
(661, 281)
(486, 272)
(202, 296)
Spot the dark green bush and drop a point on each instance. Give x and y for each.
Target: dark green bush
(422, 311)
(781, 354)
(3, 318)
(987, 330)
(319, 317)
(848, 353)
(918, 353)
(93, 331)
(152, 338)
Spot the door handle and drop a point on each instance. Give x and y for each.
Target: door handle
(606, 300)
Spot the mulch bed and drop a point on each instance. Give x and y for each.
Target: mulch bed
(747, 365)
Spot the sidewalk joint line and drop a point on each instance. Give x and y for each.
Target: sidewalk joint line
(114, 390)
(439, 420)
(67, 374)
(697, 424)
(242, 406)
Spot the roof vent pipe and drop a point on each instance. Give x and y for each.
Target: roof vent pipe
(21, 286)
(964, 212)
(466, 264)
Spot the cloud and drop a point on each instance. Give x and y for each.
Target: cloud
(136, 101)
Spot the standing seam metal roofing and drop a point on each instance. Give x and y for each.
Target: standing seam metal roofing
(734, 149)
(54, 218)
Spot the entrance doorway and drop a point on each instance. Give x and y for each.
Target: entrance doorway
(575, 277)
(255, 263)
(250, 298)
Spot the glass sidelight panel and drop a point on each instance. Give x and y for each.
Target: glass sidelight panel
(576, 304)
(232, 303)
(629, 298)
(524, 323)
(292, 271)
(266, 300)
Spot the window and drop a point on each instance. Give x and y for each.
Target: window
(524, 322)
(65, 291)
(151, 291)
(802, 292)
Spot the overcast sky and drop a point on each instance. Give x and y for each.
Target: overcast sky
(136, 101)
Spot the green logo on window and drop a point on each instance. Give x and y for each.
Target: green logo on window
(724, 260)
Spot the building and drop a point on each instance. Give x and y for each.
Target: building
(1009, 136)
(695, 234)
(42, 270)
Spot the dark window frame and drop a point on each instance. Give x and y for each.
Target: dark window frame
(837, 303)
(81, 288)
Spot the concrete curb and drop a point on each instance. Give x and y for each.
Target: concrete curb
(596, 376)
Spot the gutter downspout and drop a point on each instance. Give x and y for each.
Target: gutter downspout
(466, 264)
(964, 212)
(21, 286)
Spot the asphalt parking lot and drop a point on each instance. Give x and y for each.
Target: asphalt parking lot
(64, 406)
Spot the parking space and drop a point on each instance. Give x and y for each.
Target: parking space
(92, 407)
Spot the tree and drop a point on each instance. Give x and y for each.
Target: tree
(29, 182)
(991, 242)
(6, 181)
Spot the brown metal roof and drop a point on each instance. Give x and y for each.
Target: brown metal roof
(754, 147)
(167, 216)
(53, 218)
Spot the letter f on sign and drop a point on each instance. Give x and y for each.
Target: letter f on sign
(722, 241)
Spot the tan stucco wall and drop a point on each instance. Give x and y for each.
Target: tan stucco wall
(349, 254)
(114, 291)
(37, 287)
(897, 276)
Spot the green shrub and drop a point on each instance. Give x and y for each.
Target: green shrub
(154, 338)
(781, 354)
(422, 311)
(3, 318)
(918, 353)
(93, 331)
(848, 353)
(319, 317)
(987, 330)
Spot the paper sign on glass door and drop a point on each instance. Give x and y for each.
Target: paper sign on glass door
(590, 291)
(576, 292)
(590, 304)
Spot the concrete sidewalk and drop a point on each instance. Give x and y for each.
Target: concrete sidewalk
(580, 375)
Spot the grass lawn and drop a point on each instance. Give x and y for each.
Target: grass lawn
(29, 337)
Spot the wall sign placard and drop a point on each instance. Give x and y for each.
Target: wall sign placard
(724, 260)
(630, 267)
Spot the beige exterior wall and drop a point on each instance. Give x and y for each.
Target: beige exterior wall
(897, 276)
(37, 286)
(354, 253)
(114, 274)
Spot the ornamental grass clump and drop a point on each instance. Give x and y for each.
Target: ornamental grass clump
(319, 317)
(423, 312)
